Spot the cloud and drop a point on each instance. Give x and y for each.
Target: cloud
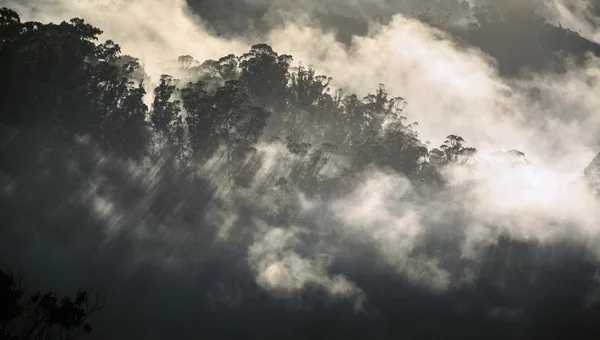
(282, 271)
(578, 16)
(380, 211)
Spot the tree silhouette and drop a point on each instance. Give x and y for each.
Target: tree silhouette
(264, 74)
(54, 75)
(452, 151)
(43, 316)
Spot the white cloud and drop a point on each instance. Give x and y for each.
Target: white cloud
(282, 271)
(380, 211)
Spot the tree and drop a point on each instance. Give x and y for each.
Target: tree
(238, 123)
(229, 67)
(380, 109)
(330, 123)
(228, 118)
(306, 90)
(8, 17)
(452, 151)
(43, 316)
(10, 25)
(56, 76)
(398, 148)
(167, 121)
(200, 119)
(264, 74)
(42, 69)
(353, 117)
(209, 72)
(179, 143)
(164, 108)
(185, 61)
(124, 128)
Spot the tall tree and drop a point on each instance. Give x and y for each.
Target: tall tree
(164, 108)
(167, 120)
(200, 119)
(56, 76)
(306, 90)
(453, 151)
(43, 316)
(226, 118)
(264, 74)
(238, 122)
(229, 67)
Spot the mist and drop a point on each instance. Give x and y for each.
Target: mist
(508, 246)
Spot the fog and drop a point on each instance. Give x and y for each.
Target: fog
(381, 249)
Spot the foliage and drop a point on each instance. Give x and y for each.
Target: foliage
(55, 75)
(43, 316)
(90, 90)
(452, 151)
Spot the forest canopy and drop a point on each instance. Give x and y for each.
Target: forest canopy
(58, 78)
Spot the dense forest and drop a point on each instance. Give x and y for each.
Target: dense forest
(250, 197)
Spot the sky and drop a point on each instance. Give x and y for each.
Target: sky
(355, 263)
